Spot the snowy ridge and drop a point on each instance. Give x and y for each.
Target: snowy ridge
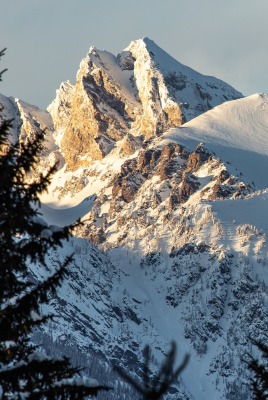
(177, 82)
(236, 131)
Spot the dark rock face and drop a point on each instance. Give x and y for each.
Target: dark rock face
(197, 158)
(125, 185)
(220, 192)
(129, 189)
(126, 61)
(176, 80)
(189, 185)
(227, 186)
(145, 161)
(168, 163)
(223, 176)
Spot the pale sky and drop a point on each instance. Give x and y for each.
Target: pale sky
(47, 39)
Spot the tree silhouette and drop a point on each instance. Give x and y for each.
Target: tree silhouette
(259, 368)
(154, 388)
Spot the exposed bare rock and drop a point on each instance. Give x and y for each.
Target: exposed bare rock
(160, 112)
(197, 158)
(171, 150)
(126, 184)
(147, 160)
(235, 189)
(220, 192)
(129, 189)
(172, 164)
(130, 144)
(224, 176)
(126, 61)
(168, 163)
(155, 188)
(189, 185)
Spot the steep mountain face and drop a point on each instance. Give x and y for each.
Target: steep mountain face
(183, 219)
(174, 242)
(142, 91)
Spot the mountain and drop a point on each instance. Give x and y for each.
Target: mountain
(142, 91)
(173, 245)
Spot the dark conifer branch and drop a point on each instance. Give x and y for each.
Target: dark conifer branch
(259, 369)
(153, 388)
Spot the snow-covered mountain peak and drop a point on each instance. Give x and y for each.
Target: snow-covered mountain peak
(143, 92)
(147, 45)
(141, 46)
(92, 49)
(168, 64)
(150, 48)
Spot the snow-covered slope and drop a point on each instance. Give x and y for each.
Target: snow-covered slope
(183, 221)
(237, 132)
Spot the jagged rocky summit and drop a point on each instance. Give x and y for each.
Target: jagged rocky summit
(165, 166)
(137, 95)
(141, 92)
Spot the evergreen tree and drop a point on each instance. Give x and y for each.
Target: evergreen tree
(25, 373)
(259, 381)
